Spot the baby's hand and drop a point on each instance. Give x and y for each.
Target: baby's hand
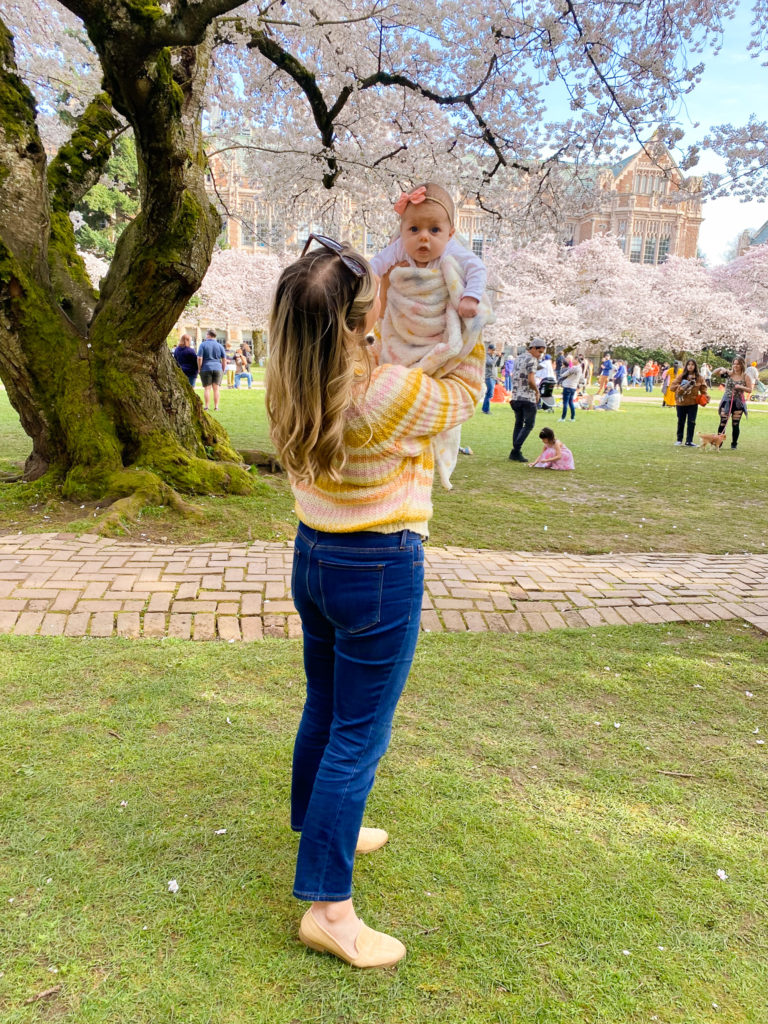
(468, 307)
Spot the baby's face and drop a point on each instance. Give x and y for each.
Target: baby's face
(425, 231)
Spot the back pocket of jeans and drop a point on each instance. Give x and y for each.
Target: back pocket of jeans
(351, 594)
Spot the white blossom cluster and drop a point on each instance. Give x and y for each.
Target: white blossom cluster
(591, 293)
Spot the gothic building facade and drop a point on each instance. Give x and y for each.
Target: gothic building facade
(646, 204)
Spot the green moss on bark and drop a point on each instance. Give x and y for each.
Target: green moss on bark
(79, 162)
(190, 474)
(17, 105)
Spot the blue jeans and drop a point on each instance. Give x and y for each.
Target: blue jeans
(507, 381)
(192, 378)
(247, 376)
(359, 597)
(568, 394)
(649, 384)
(490, 384)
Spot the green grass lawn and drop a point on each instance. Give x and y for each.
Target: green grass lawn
(533, 842)
(631, 491)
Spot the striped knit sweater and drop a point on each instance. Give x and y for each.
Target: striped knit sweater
(387, 479)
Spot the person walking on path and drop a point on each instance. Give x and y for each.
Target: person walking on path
(733, 404)
(212, 362)
(490, 377)
(687, 389)
(356, 443)
(525, 396)
(186, 357)
(570, 380)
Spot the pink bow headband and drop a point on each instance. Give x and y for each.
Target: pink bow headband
(419, 195)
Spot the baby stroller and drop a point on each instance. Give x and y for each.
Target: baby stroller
(546, 394)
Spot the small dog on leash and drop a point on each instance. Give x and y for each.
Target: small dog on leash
(715, 440)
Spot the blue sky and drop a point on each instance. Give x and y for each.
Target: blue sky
(733, 87)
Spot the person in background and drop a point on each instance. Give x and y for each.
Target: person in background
(525, 396)
(687, 388)
(554, 455)
(211, 362)
(706, 373)
(733, 404)
(546, 370)
(668, 373)
(753, 374)
(245, 348)
(609, 402)
(355, 440)
(509, 365)
(605, 373)
(241, 369)
(648, 376)
(186, 356)
(636, 378)
(620, 375)
(490, 377)
(560, 363)
(570, 379)
(229, 366)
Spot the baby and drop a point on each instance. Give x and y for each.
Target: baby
(427, 228)
(434, 294)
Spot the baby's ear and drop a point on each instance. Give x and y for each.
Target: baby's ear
(452, 232)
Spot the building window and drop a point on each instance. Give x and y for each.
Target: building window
(636, 249)
(247, 234)
(649, 253)
(663, 249)
(477, 246)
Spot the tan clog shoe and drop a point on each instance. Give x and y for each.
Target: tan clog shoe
(371, 839)
(374, 949)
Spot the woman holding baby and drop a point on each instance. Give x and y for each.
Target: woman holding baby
(357, 451)
(687, 388)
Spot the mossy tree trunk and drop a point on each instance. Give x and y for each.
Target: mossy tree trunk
(90, 374)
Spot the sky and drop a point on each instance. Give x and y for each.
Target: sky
(733, 87)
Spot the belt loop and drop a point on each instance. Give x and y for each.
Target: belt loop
(403, 539)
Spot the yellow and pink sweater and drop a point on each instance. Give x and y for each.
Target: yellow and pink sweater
(387, 479)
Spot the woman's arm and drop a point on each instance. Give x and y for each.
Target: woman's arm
(408, 408)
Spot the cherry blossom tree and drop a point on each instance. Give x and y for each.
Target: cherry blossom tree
(592, 295)
(747, 278)
(237, 286)
(355, 95)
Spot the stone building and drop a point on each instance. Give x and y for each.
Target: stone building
(749, 238)
(646, 203)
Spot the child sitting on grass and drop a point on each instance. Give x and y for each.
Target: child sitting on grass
(555, 454)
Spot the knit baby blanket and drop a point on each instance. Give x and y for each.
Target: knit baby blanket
(422, 329)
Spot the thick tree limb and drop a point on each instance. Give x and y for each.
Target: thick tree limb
(79, 164)
(184, 25)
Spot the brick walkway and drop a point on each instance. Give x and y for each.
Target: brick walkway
(58, 584)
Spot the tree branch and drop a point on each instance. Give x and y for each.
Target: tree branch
(79, 164)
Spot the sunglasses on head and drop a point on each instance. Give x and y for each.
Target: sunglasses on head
(350, 262)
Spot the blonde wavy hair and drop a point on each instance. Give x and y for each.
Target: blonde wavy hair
(316, 333)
